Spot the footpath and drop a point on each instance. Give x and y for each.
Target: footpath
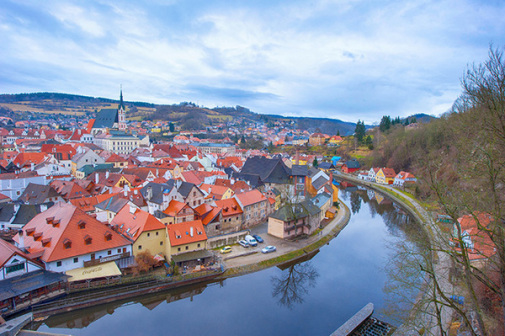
(442, 263)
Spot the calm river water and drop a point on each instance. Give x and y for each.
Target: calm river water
(312, 297)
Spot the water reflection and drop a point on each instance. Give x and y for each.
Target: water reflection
(294, 283)
(84, 317)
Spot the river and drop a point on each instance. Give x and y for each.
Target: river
(311, 297)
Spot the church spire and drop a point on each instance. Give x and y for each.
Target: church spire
(121, 103)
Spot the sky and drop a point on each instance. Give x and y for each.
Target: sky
(344, 59)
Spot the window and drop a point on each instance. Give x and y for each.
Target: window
(76, 260)
(178, 249)
(187, 247)
(157, 232)
(140, 247)
(161, 243)
(198, 244)
(118, 250)
(109, 252)
(15, 268)
(149, 234)
(58, 264)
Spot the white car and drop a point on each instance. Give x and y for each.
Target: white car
(268, 249)
(243, 243)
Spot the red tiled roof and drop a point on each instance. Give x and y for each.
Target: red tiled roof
(250, 197)
(66, 225)
(7, 250)
(133, 224)
(174, 207)
(230, 207)
(180, 233)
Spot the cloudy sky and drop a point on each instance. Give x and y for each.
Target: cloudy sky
(344, 59)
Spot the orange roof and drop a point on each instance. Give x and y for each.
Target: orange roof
(174, 207)
(186, 233)
(7, 250)
(230, 207)
(271, 200)
(388, 172)
(69, 189)
(61, 232)
(483, 247)
(191, 177)
(250, 197)
(214, 190)
(207, 213)
(24, 158)
(133, 224)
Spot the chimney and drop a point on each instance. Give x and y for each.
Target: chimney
(97, 178)
(135, 191)
(21, 243)
(32, 166)
(149, 193)
(107, 174)
(43, 207)
(132, 209)
(191, 231)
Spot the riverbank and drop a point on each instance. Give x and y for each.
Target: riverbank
(287, 250)
(253, 261)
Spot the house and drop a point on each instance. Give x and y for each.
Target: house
(372, 174)
(232, 215)
(385, 176)
(177, 212)
(350, 166)
(66, 238)
(474, 234)
(317, 139)
(12, 185)
(211, 219)
(324, 202)
(294, 220)
(403, 179)
(69, 190)
(109, 208)
(259, 171)
(14, 262)
(191, 194)
(335, 140)
(24, 281)
(215, 192)
(15, 216)
(159, 195)
(300, 173)
(85, 157)
(255, 207)
(145, 230)
(39, 194)
(187, 243)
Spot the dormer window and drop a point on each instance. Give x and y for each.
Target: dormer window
(108, 235)
(81, 224)
(87, 240)
(46, 241)
(49, 220)
(37, 236)
(30, 231)
(67, 243)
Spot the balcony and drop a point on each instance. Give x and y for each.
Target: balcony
(94, 262)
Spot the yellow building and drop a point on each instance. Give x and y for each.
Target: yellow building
(186, 237)
(145, 230)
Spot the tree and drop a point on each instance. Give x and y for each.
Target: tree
(315, 163)
(171, 127)
(360, 131)
(385, 124)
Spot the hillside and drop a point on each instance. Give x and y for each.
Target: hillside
(187, 114)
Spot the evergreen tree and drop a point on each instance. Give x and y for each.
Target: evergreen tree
(385, 123)
(359, 131)
(315, 163)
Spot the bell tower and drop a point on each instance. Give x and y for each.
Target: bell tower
(121, 112)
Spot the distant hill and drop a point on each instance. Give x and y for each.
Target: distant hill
(187, 114)
(422, 118)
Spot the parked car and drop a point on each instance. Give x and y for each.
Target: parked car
(258, 239)
(226, 249)
(250, 240)
(243, 243)
(269, 249)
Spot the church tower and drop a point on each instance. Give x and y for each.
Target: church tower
(121, 112)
